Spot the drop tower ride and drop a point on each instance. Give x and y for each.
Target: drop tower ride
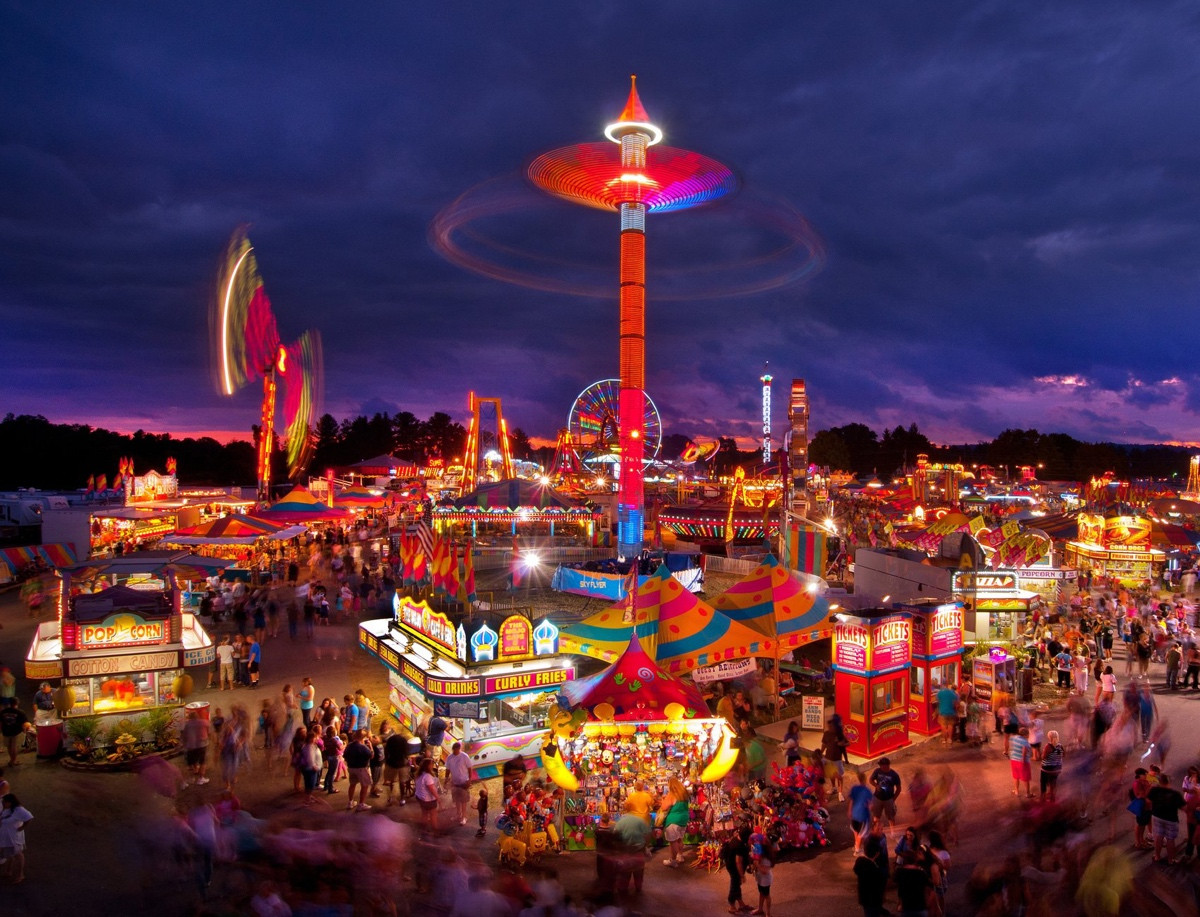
(633, 180)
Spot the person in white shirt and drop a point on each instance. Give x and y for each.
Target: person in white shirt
(458, 778)
(225, 657)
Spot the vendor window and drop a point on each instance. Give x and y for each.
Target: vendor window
(888, 696)
(916, 681)
(858, 701)
(942, 675)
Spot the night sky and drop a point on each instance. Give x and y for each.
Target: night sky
(1005, 197)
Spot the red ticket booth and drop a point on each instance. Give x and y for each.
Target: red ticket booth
(937, 650)
(872, 654)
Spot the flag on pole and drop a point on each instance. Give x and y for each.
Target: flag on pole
(515, 573)
(425, 537)
(466, 577)
(420, 561)
(436, 571)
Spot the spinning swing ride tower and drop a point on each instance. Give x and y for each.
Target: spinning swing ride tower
(639, 177)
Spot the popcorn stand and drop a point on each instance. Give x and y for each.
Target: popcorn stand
(122, 649)
(872, 655)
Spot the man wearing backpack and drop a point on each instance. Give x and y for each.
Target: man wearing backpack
(886, 783)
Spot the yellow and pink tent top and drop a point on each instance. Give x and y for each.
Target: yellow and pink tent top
(299, 505)
(678, 630)
(778, 603)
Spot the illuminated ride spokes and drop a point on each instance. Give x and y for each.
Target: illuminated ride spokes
(247, 346)
(594, 421)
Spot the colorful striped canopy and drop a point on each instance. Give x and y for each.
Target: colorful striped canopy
(681, 631)
(59, 554)
(235, 525)
(300, 506)
(779, 603)
(359, 497)
(633, 684)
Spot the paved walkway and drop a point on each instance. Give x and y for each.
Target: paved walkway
(91, 850)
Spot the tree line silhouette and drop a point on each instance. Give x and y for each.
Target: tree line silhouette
(37, 453)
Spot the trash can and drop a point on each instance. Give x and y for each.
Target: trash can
(1024, 686)
(49, 738)
(200, 706)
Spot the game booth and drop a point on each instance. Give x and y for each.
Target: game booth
(872, 655)
(491, 678)
(634, 722)
(937, 650)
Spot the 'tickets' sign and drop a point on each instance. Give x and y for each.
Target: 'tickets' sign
(123, 629)
(850, 643)
(891, 643)
(937, 631)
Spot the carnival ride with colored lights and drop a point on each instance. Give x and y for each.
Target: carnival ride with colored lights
(632, 182)
(746, 515)
(594, 422)
(247, 345)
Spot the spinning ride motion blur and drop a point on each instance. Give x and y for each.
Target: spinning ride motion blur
(246, 345)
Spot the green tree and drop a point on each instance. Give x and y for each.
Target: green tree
(827, 449)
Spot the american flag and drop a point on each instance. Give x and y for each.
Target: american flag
(425, 536)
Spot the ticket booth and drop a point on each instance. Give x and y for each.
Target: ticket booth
(993, 675)
(937, 649)
(872, 654)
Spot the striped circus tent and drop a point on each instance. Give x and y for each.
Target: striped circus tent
(234, 529)
(360, 498)
(634, 685)
(679, 630)
(779, 604)
(299, 505)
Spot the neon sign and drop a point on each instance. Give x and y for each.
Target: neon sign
(123, 629)
(419, 618)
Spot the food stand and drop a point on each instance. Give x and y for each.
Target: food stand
(995, 607)
(492, 678)
(1116, 548)
(872, 654)
(121, 649)
(937, 649)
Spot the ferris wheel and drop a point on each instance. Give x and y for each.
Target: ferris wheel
(594, 421)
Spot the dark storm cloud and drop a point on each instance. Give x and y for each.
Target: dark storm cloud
(1003, 192)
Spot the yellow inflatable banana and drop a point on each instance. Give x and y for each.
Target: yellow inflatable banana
(557, 771)
(722, 762)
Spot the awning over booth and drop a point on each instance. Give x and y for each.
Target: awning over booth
(235, 529)
(382, 465)
(514, 493)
